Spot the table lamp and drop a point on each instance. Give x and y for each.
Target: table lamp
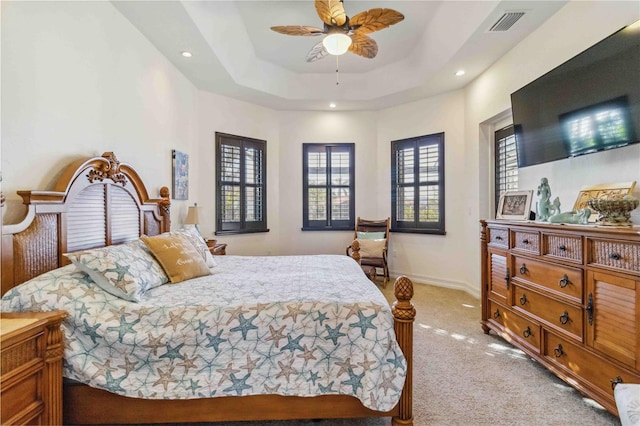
(192, 216)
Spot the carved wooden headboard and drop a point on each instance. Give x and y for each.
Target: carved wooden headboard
(95, 202)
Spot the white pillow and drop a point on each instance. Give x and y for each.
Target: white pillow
(371, 248)
(198, 243)
(370, 235)
(627, 396)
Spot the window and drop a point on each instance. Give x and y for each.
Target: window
(506, 172)
(241, 183)
(417, 185)
(329, 186)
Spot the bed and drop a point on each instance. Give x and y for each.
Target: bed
(226, 346)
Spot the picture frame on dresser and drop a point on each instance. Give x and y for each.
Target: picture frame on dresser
(514, 205)
(603, 190)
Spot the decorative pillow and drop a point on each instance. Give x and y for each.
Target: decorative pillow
(371, 248)
(127, 270)
(627, 397)
(179, 259)
(198, 242)
(370, 235)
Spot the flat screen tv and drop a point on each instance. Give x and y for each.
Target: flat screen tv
(589, 103)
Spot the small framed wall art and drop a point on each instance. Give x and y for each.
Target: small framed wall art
(514, 205)
(180, 175)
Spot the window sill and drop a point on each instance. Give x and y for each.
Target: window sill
(328, 229)
(419, 231)
(252, 231)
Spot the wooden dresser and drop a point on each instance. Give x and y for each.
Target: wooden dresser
(568, 296)
(31, 378)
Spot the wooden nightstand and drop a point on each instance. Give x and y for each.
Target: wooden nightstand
(31, 370)
(217, 249)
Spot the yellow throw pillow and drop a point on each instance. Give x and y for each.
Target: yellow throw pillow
(371, 248)
(177, 256)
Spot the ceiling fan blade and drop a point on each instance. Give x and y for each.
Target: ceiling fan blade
(298, 30)
(375, 20)
(331, 12)
(317, 52)
(364, 46)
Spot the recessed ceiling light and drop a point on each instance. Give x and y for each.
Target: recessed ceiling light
(332, 105)
(186, 54)
(459, 73)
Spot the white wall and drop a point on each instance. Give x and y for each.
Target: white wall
(79, 80)
(574, 28)
(297, 128)
(430, 259)
(221, 114)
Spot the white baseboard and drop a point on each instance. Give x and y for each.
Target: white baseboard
(439, 282)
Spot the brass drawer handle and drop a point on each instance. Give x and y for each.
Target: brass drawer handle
(564, 318)
(558, 351)
(564, 281)
(523, 299)
(615, 256)
(496, 314)
(615, 382)
(527, 332)
(523, 269)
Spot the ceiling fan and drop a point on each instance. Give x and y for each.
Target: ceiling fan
(343, 33)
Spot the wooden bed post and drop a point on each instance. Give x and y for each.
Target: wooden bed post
(164, 206)
(404, 315)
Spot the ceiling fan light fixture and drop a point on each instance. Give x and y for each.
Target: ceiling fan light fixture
(337, 43)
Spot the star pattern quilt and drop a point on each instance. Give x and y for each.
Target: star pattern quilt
(287, 325)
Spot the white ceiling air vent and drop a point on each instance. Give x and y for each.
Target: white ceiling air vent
(506, 21)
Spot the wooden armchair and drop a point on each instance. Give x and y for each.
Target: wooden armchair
(372, 237)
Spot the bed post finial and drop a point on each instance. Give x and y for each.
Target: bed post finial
(355, 250)
(404, 314)
(165, 208)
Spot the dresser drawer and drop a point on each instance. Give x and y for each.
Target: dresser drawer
(526, 241)
(594, 371)
(499, 237)
(562, 247)
(562, 280)
(526, 331)
(615, 254)
(21, 385)
(19, 355)
(557, 314)
(21, 398)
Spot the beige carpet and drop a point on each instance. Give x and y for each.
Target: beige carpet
(465, 377)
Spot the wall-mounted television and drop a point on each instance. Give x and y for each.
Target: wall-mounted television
(589, 103)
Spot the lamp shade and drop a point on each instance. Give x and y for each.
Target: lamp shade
(192, 216)
(337, 43)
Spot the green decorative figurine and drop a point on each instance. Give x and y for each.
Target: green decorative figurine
(580, 217)
(544, 207)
